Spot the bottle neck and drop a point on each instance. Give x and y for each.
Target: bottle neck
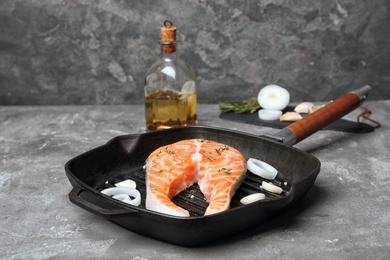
(169, 50)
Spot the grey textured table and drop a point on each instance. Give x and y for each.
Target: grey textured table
(346, 214)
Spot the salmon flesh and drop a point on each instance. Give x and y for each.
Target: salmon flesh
(217, 168)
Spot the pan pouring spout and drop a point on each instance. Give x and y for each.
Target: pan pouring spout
(301, 129)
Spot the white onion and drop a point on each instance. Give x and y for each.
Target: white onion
(261, 169)
(252, 198)
(121, 193)
(122, 197)
(269, 114)
(273, 97)
(127, 183)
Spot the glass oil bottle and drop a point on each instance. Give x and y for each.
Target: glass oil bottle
(170, 87)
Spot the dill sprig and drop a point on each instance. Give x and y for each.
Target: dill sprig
(225, 170)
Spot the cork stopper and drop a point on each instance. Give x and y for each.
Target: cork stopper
(168, 37)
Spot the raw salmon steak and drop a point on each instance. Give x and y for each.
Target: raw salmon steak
(217, 168)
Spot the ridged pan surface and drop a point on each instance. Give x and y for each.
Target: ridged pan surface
(124, 157)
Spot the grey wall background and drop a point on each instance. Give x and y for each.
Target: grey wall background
(97, 52)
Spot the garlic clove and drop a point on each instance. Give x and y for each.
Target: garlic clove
(271, 187)
(315, 108)
(252, 198)
(304, 107)
(290, 116)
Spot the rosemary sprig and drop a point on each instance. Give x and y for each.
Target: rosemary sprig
(239, 107)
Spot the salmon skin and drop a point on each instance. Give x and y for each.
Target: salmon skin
(218, 169)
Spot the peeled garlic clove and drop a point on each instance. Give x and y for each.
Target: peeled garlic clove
(314, 109)
(273, 97)
(290, 116)
(304, 107)
(271, 187)
(269, 114)
(252, 198)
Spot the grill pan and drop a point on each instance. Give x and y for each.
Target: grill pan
(123, 157)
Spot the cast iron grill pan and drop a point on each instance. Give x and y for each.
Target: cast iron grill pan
(124, 157)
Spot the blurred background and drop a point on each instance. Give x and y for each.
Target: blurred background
(59, 52)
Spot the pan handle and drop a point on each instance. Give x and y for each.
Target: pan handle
(81, 201)
(299, 130)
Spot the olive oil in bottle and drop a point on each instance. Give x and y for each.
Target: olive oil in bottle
(165, 109)
(170, 88)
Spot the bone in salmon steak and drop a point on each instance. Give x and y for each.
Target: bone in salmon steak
(219, 170)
